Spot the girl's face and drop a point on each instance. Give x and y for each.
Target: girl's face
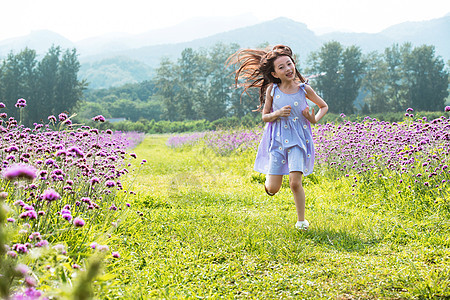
(284, 68)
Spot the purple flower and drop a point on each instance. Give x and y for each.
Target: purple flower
(99, 118)
(94, 180)
(447, 108)
(22, 269)
(49, 161)
(67, 216)
(34, 235)
(2, 105)
(30, 281)
(103, 248)
(30, 293)
(12, 254)
(409, 110)
(78, 222)
(76, 151)
(20, 248)
(20, 171)
(110, 183)
(62, 117)
(42, 243)
(21, 103)
(50, 195)
(11, 149)
(115, 254)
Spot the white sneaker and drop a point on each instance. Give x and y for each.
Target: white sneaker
(302, 225)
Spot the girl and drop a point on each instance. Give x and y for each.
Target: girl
(286, 147)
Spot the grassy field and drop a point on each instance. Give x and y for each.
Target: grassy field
(201, 226)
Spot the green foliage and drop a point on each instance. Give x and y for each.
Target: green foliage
(427, 79)
(114, 72)
(206, 229)
(404, 77)
(341, 73)
(198, 86)
(152, 127)
(49, 86)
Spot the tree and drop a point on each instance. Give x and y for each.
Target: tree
(17, 79)
(340, 75)
(49, 86)
(221, 82)
(167, 88)
(351, 77)
(427, 79)
(396, 85)
(375, 83)
(187, 80)
(47, 77)
(68, 89)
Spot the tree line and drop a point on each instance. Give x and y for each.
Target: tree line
(392, 81)
(49, 86)
(199, 86)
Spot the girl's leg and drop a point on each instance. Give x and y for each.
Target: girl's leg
(295, 182)
(273, 183)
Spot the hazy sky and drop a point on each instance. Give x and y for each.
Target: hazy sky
(87, 18)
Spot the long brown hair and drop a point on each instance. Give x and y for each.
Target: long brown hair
(255, 67)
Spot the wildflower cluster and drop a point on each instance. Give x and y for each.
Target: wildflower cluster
(225, 142)
(417, 152)
(57, 182)
(412, 156)
(178, 141)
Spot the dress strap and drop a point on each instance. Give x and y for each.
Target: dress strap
(273, 89)
(302, 86)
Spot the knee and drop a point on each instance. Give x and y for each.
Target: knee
(271, 190)
(296, 185)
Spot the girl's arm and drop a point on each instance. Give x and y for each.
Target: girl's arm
(323, 107)
(268, 116)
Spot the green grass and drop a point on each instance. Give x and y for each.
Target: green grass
(201, 226)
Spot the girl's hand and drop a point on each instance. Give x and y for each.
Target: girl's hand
(311, 117)
(285, 111)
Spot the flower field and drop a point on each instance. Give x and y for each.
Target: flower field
(64, 195)
(82, 217)
(412, 156)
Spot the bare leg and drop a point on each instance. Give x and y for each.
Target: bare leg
(295, 182)
(273, 183)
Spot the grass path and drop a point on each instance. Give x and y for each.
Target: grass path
(204, 228)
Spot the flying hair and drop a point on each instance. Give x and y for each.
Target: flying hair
(255, 67)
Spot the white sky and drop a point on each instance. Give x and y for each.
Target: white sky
(80, 19)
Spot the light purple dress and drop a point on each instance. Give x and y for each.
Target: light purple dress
(286, 133)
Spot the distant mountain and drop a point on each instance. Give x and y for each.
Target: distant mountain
(188, 30)
(280, 30)
(115, 59)
(40, 40)
(433, 32)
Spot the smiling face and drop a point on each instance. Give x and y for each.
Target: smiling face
(284, 68)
